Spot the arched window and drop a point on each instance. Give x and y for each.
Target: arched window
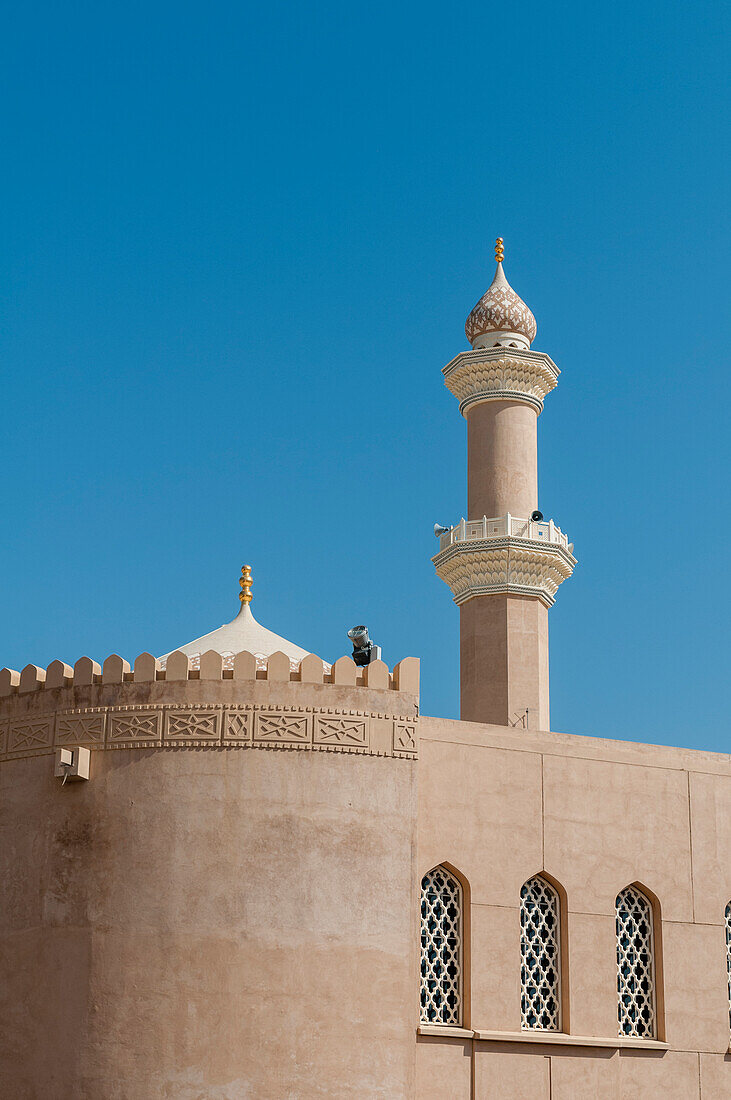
(728, 956)
(441, 948)
(635, 965)
(540, 971)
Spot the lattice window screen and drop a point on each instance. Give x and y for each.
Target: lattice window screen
(540, 972)
(441, 948)
(728, 956)
(635, 965)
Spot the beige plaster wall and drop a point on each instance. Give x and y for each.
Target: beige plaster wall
(504, 661)
(500, 805)
(502, 459)
(210, 921)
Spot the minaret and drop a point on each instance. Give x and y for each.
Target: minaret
(504, 563)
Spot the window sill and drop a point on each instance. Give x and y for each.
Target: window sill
(552, 1038)
(445, 1030)
(559, 1038)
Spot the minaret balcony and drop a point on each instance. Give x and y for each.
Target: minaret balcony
(504, 554)
(500, 526)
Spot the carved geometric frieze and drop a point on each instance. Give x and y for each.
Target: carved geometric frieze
(237, 725)
(497, 374)
(26, 734)
(80, 729)
(350, 732)
(157, 725)
(281, 728)
(404, 737)
(508, 565)
(191, 725)
(133, 726)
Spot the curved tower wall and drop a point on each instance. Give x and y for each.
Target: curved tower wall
(220, 910)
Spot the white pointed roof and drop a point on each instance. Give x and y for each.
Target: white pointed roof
(242, 633)
(500, 309)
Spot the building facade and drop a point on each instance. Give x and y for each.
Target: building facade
(236, 871)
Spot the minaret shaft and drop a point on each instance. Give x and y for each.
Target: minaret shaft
(502, 459)
(504, 661)
(503, 638)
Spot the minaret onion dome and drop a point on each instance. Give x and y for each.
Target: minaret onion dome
(501, 318)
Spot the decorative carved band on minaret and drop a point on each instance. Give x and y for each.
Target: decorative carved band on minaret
(500, 374)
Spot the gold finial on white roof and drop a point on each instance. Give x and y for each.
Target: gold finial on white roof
(245, 582)
(499, 253)
(243, 633)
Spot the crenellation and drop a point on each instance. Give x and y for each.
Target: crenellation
(178, 666)
(146, 668)
(9, 681)
(406, 675)
(244, 668)
(87, 672)
(211, 666)
(345, 671)
(312, 669)
(32, 678)
(114, 669)
(58, 674)
(376, 675)
(278, 666)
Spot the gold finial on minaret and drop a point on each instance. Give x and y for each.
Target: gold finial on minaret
(245, 582)
(499, 254)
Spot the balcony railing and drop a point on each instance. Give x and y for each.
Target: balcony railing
(502, 526)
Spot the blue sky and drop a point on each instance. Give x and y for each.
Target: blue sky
(240, 242)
